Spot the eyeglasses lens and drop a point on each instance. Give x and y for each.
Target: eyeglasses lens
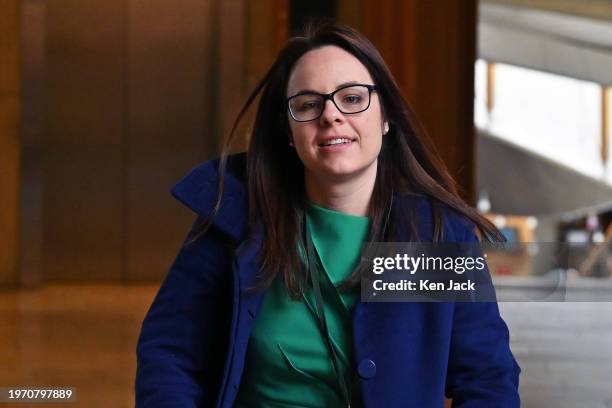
(352, 99)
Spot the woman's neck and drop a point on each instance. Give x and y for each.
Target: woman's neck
(350, 195)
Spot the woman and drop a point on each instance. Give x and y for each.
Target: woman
(261, 307)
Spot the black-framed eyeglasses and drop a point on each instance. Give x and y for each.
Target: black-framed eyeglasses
(307, 106)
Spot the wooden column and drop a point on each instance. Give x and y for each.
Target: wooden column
(10, 101)
(430, 47)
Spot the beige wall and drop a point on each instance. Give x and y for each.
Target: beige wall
(598, 9)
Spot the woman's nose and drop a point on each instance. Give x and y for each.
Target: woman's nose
(330, 113)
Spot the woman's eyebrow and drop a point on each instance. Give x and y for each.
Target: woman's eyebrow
(342, 85)
(347, 84)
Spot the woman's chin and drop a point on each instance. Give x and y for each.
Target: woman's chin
(342, 173)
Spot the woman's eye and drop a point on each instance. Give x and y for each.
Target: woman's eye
(352, 99)
(308, 106)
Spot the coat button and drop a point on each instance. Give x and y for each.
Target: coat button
(366, 369)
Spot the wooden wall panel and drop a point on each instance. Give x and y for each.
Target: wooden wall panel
(265, 31)
(33, 128)
(430, 47)
(10, 104)
(171, 123)
(231, 62)
(132, 105)
(124, 97)
(83, 150)
(188, 77)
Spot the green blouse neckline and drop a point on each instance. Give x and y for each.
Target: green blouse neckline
(337, 238)
(327, 212)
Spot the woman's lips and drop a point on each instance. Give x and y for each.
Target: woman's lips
(331, 140)
(337, 146)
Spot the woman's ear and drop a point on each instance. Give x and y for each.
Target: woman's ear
(288, 133)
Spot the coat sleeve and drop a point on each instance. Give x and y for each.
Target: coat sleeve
(180, 350)
(482, 371)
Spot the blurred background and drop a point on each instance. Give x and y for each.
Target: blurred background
(104, 105)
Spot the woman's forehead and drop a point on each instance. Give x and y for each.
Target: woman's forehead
(326, 69)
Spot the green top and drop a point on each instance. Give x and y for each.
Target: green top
(287, 362)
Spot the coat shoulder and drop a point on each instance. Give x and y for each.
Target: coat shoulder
(196, 184)
(456, 226)
(198, 190)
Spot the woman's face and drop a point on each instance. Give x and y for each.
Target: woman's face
(325, 70)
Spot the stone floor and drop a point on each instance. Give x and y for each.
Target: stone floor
(82, 336)
(565, 352)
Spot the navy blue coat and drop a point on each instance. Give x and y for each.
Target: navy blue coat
(192, 346)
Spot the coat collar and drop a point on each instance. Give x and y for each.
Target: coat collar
(198, 191)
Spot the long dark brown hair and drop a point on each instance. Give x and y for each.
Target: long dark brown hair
(408, 163)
